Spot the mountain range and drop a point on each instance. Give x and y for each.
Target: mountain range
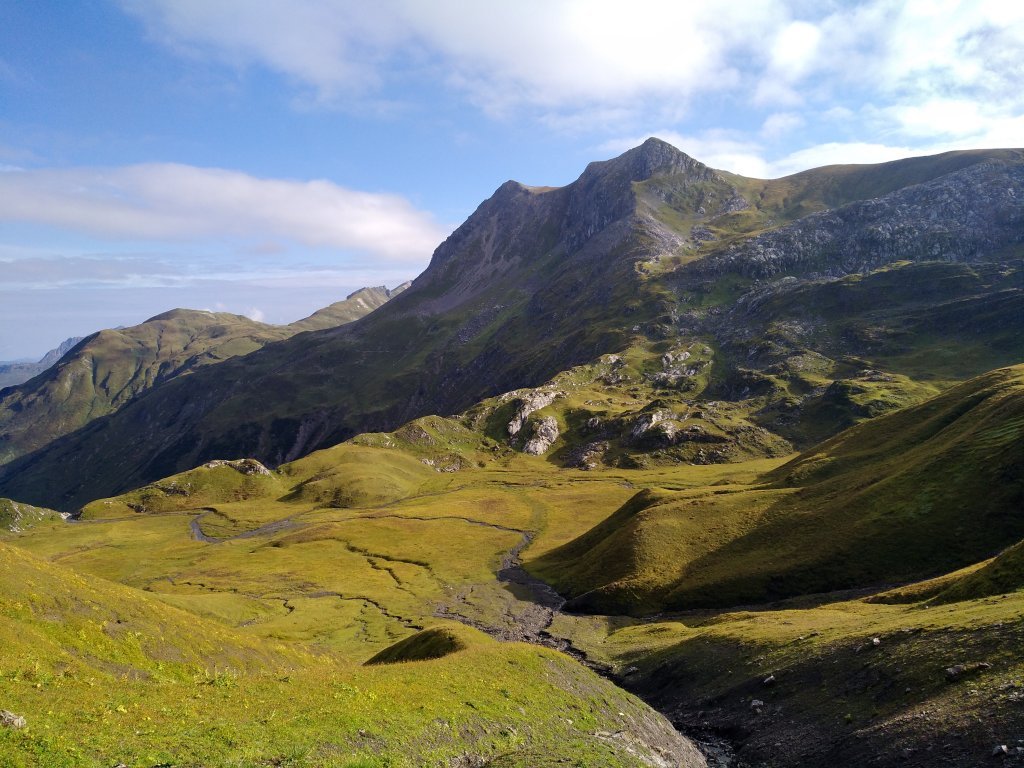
(749, 449)
(97, 375)
(652, 244)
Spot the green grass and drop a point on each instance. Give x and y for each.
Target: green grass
(837, 696)
(918, 492)
(17, 517)
(105, 674)
(112, 367)
(358, 551)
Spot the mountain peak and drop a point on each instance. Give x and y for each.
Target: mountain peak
(654, 157)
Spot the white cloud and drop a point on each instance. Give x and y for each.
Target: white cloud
(163, 201)
(780, 123)
(793, 54)
(592, 65)
(331, 45)
(552, 55)
(951, 117)
(837, 153)
(255, 313)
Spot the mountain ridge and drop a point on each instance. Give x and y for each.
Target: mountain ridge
(102, 372)
(18, 372)
(532, 283)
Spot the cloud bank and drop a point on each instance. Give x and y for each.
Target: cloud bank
(908, 77)
(166, 201)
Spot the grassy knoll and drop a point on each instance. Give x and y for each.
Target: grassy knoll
(106, 674)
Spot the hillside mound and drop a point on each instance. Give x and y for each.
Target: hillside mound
(433, 643)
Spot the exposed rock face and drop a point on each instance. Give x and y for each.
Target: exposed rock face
(11, 720)
(646, 422)
(244, 466)
(545, 432)
(519, 224)
(529, 403)
(589, 455)
(961, 216)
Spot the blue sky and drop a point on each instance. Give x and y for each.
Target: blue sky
(267, 157)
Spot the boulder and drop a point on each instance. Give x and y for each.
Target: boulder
(11, 720)
(545, 432)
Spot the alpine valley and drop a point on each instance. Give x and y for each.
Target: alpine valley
(664, 467)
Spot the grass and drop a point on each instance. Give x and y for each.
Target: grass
(104, 674)
(17, 517)
(905, 496)
(836, 695)
(112, 367)
(358, 551)
(225, 615)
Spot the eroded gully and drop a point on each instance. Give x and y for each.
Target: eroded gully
(533, 609)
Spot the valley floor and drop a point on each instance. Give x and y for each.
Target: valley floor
(794, 683)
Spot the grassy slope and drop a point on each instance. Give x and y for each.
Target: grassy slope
(16, 517)
(355, 548)
(105, 674)
(837, 698)
(353, 307)
(914, 493)
(110, 368)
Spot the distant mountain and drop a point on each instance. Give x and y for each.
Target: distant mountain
(778, 279)
(355, 305)
(14, 373)
(103, 372)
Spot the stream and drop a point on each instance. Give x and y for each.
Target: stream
(529, 614)
(535, 607)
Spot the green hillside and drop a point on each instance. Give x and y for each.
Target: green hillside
(103, 674)
(920, 491)
(108, 369)
(749, 449)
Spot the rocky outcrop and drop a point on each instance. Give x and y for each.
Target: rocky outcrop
(963, 216)
(243, 466)
(545, 432)
(530, 403)
(17, 517)
(11, 720)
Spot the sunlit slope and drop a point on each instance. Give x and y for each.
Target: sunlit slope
(918, 492)
(104, 675)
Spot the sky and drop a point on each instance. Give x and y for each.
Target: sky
(268, 157)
